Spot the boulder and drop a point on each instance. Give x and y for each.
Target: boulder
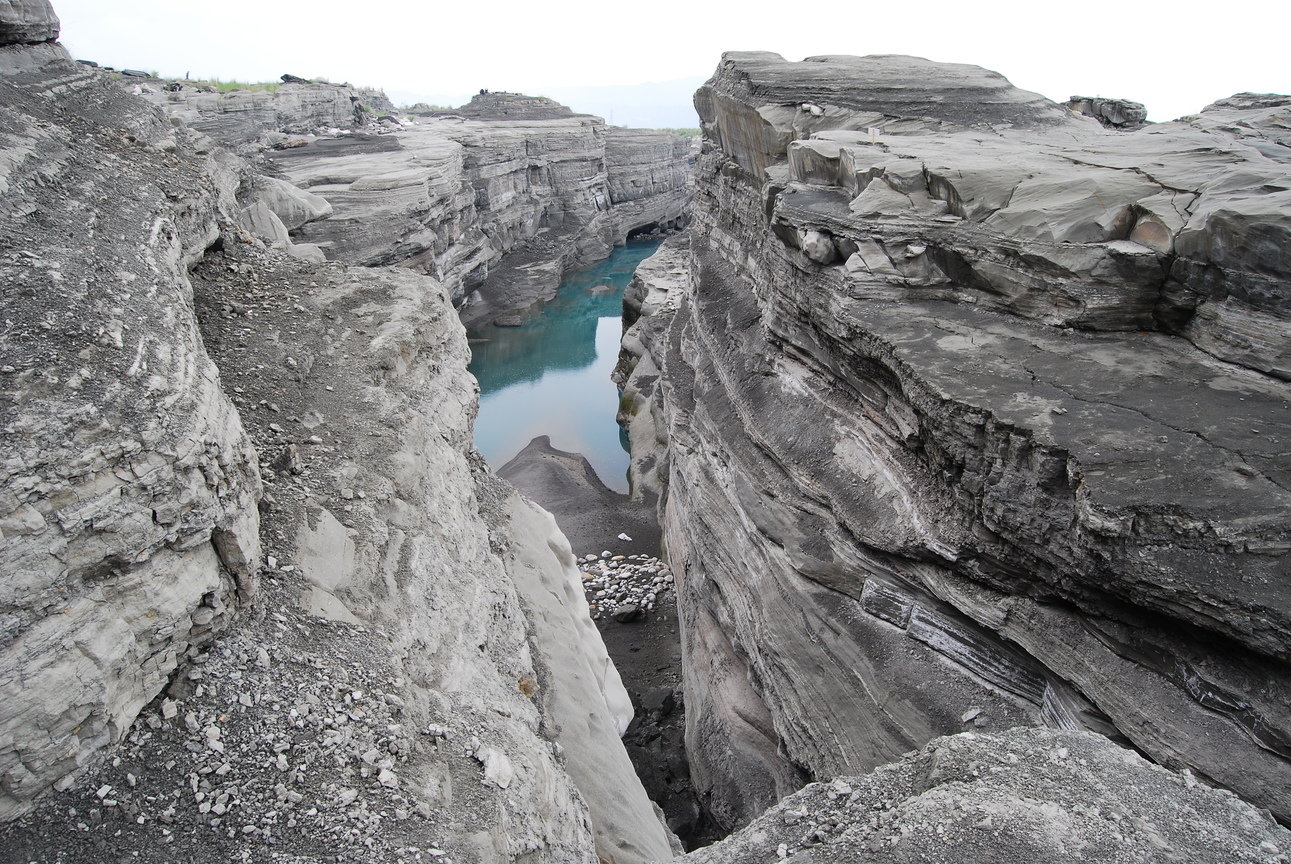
(1112, 113)
(27, 22)
(260, 220)
(293, 206)
(627, 613)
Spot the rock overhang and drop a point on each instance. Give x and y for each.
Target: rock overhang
(27, 22)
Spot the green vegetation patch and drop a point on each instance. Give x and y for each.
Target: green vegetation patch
(227, 86)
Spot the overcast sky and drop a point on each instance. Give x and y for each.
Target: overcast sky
(1171, 56)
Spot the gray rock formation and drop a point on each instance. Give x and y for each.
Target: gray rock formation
(127, 496)
(1112, 113)
(647, 173)
(236, 118)
(450, 196)
(27, 22)
(1023, 795)
(508, 107)
(453, 196)
(569, 651)
(970, 413)
(248, 548)
(496, 199)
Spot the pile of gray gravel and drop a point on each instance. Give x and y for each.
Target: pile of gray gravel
(617, 582)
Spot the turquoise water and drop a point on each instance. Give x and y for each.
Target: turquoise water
(551, 375)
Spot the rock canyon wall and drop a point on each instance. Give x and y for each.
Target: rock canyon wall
(259, 591)
(496, 199)
(967, 413)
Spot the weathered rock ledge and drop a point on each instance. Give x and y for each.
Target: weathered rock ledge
(975, 420)
(1023, 795)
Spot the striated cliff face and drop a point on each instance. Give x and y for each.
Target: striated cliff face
(973, 421)
(256, 587)
(450, 196)
(496, 199)
(128, 489)
(647, 173)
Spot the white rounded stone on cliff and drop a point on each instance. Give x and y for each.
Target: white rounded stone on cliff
(498, 769)
(819, 247)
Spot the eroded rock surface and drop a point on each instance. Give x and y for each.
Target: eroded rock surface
(128, 486)
(27, 22)
(497, 199)
(1023, 795)
(968, 412)
(266, 116)
(1112, 113)
(260, 595)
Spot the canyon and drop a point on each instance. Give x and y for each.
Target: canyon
(258, 584)
(496, 199)
(961, 411)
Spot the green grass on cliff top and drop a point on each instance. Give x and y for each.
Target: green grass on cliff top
(226, 86)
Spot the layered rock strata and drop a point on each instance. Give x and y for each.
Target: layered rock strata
(451, 195)
(971, 413)
(497, 208)
(647, 173)
(27, 22)
(199, 426)
(496, 199)
(128, 488)
(266, 115)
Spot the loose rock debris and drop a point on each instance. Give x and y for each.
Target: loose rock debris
(614, 582)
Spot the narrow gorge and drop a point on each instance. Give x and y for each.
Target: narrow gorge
(953, 412)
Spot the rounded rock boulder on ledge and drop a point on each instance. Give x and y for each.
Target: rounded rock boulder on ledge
(27, 22)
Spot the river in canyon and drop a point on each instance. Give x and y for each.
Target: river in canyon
(551, 375)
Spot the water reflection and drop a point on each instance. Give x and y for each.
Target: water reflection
(551, 375)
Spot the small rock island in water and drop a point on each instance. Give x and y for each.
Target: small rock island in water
(958, 480)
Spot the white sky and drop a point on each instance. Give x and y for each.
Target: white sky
(1174, 57)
